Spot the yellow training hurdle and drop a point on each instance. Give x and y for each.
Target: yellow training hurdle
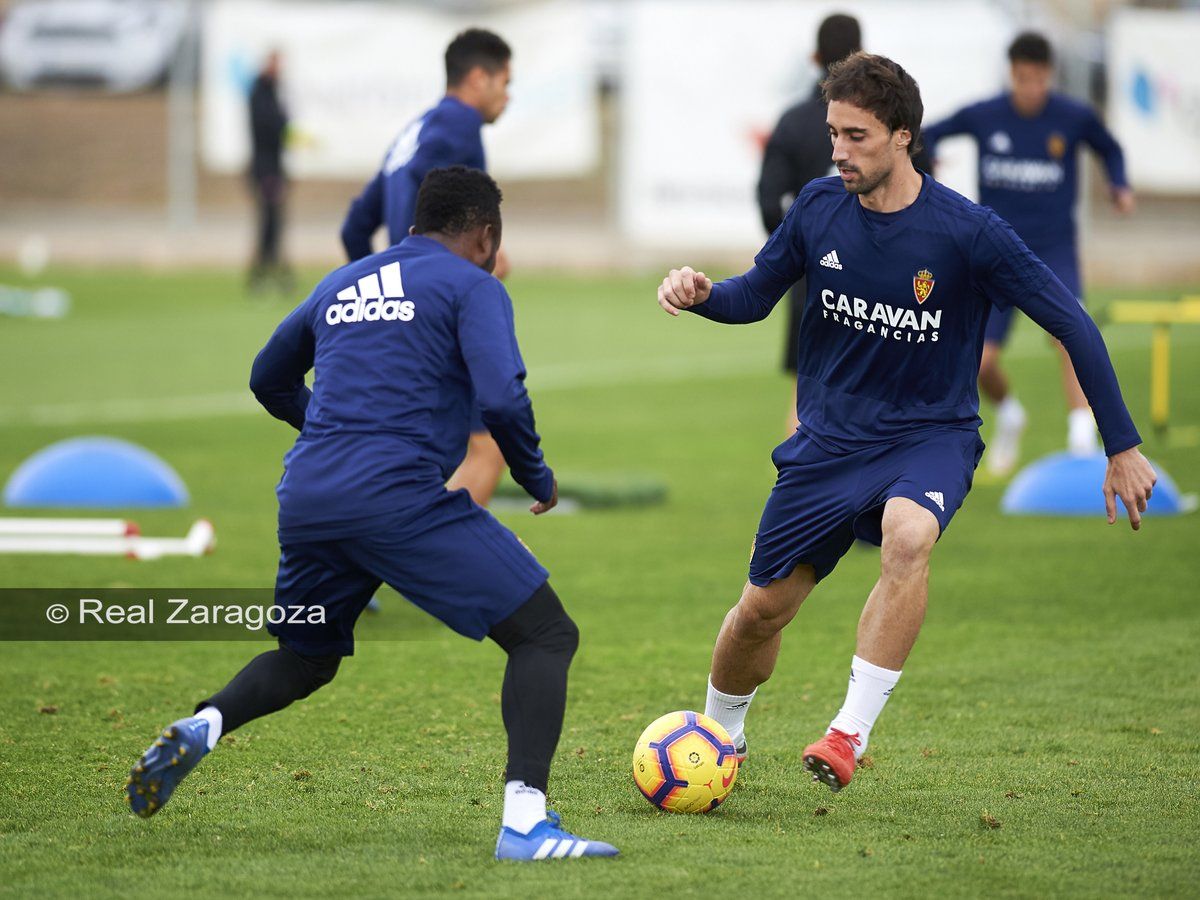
(1161, 315)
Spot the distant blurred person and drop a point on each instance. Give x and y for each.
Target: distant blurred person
(268, 180)
(1028, 138)
(478, 72)
(796, 153)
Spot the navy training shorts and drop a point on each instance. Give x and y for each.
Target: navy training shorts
(823, 501)
(1063, 261)
(453, 560)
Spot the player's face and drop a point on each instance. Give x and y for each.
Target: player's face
(1031, 86)
(864, 149)
(494, 92)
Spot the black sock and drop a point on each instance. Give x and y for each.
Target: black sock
(268, 683)
(540, 640)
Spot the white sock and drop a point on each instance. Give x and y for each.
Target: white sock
(1010, 413)
(729, 710)
(870, 687)
(213, 717)
(1081, 432)
(524, 806)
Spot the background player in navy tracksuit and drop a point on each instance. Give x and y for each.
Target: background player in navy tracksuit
(401, 341)
(889, 355)
(478, 71)
(1028, 140)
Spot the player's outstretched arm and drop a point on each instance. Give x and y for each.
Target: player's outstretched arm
(683, 289)
(1130, 477)
(277, 376)
(489, 348)
(363, 219)
(735, 301)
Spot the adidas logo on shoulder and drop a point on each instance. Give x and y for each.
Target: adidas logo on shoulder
(375, 297)
(936, 497)
(831, 261)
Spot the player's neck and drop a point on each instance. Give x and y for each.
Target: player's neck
(465, 98)
(899, 191)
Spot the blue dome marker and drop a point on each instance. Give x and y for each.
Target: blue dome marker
(1067, 485)
(95, 472)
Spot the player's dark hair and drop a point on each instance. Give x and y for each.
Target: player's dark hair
(1029, 46)
(838, 36)
(456, 200)
(880, 86)
(475, 47)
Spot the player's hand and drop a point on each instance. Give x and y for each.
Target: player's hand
(1124, 201)
(1130, 477)
(682, 289)
(544, 506)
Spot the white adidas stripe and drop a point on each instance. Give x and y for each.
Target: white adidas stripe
(579, 848)
(563, 847)
(544, 850)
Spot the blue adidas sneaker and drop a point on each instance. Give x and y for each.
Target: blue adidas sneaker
(160, 769)
(547, 841)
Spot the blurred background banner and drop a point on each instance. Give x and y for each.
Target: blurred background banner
(356, 73)
(1154, 96)
(703, 93)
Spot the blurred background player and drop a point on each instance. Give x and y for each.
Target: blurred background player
(436, 321)
(268, 181)
(1028, 138)
(796, 153)
(478, 72)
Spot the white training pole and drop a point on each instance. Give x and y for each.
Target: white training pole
(95, 527)
(200, 539)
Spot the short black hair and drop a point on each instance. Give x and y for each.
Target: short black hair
(475, 47)
(455, 200)
(838, 36)
(881, 87)
(1029, 46)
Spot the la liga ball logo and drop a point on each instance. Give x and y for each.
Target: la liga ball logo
(923, 285)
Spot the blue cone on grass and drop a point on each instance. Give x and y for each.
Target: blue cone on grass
(95, 472)
(1063, 484)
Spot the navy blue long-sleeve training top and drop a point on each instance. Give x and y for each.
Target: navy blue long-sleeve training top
(447, 135)
(896, 306)
(399, 341)
(1027, 165)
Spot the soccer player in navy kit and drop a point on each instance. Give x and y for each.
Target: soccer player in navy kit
(478, 72)
(401, 342)
(1028, 140)
(901, 272)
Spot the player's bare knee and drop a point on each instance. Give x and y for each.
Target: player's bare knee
(763, 612)
(907, 546)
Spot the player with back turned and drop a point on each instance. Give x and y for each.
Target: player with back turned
(402, 341)
(1028, 140)
(478, 72)
(901, 274)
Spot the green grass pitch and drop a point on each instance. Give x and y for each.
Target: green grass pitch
(1045, 739)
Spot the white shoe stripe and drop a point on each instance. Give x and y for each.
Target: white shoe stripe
(563, 847)
(544, 850)
(579, 848)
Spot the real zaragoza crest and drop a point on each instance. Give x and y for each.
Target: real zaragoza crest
(923, 285)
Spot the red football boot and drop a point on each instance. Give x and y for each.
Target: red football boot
(831, 759)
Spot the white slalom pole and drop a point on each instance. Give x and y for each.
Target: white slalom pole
(75, 527)
(200, 539)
